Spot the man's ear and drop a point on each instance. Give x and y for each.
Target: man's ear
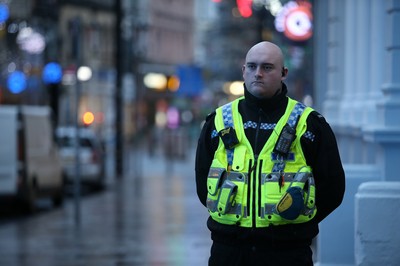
(284, 72)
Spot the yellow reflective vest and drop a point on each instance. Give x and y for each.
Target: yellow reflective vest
(274, 191)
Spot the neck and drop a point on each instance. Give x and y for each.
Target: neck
(267, 104)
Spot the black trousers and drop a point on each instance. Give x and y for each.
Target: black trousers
(233, 255)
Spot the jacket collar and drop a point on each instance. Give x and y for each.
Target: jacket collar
(279, 100)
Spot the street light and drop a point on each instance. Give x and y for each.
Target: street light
(83, 73)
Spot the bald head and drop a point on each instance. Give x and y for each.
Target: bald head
(264, 71)
(268, 48)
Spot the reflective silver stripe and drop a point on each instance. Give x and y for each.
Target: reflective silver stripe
(288, 177)
(269, 209)
(235, 209)
(237, 177)
(301, 177)
(274, 177)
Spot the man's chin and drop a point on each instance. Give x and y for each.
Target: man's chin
(258, 92)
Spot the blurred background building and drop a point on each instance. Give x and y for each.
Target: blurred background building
(142, 59)
(155, 68)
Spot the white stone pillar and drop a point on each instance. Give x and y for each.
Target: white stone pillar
(386, 132)
(376, 75)
(377, 60)
(377, 203)
(335, 57)
(350, 30)
(321, 55)
(377, 238)
(361, 70)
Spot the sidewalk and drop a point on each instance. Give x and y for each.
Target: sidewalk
(150, 217)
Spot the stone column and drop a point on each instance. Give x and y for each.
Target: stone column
(335, 56)
(376, 74)
(376, 54)
(377, 203)
(360, 67)
(386, 132)
(349, 62)
(377, 238)
(336, 238)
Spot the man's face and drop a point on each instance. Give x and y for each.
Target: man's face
(262, 72)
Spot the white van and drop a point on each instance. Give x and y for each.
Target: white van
(91, 156)
(30, 167)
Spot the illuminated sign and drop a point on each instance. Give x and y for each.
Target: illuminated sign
(16, 82)
(244, 7)
(52, 73)
(295, 20)
(4, 13)
(31, 41)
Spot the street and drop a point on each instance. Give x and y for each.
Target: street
(151, 216)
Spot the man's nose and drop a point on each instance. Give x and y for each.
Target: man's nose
(258, 72)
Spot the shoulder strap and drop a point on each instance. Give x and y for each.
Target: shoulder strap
(227, 114)
(294, 117)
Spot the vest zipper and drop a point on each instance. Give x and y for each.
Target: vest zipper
(254, 185)
(256, 175)
(259, 187)
(249, 188)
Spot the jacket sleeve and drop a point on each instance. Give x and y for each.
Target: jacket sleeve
(323, 156)
(206, 148)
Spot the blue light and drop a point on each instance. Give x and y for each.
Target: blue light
(4, 13)
(52, 73)
(16, 82)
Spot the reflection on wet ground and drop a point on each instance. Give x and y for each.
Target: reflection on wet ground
(150, 217)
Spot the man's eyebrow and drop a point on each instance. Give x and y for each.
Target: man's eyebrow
(262, 64)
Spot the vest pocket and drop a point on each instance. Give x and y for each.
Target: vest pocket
(214, 180)
(226, 195)
(277, 207)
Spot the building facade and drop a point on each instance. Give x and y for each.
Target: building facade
(357, 82)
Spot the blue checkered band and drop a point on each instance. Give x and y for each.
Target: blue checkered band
(264, 126)
(214, 134)
(267, 126)
(250, 124)
(295, 114)
(227, 117)
(309, 135)
(229, 156)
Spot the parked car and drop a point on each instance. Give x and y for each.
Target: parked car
(30, 166)
(91, 156)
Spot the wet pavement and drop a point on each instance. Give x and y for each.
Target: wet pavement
(150, 217)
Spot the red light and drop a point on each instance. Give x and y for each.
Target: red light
(99, 117)
(244, 7)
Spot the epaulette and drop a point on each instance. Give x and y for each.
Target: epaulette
(210, 115)
(320, 117)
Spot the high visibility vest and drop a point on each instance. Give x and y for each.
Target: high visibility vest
(274, 191)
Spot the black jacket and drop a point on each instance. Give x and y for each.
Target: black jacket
(321, 154)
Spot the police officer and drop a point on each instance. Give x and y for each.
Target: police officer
(267, 169)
